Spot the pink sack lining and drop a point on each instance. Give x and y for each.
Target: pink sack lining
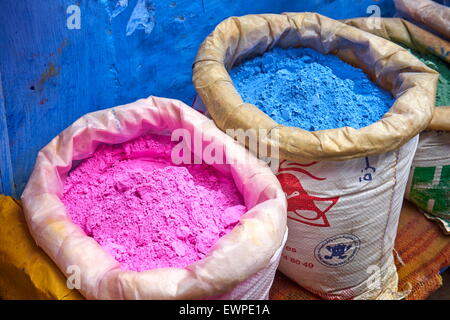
(246, 250)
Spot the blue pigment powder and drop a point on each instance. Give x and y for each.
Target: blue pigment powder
(303, 88)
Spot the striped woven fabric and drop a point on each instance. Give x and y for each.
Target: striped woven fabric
(422, 248)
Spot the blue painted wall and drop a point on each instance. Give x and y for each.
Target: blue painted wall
(124, 50)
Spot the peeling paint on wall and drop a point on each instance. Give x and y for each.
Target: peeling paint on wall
(121, 5)
(110, 61)
(142, 17)
(50, 72)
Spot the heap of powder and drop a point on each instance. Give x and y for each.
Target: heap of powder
(303, 88)
(147, 212)
(435, 63)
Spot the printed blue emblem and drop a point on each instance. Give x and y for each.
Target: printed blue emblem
(338, 250)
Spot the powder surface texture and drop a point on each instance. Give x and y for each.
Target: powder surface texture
(147, 212)
(303, 88)
(435, 63)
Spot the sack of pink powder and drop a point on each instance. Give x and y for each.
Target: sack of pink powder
(151, 201)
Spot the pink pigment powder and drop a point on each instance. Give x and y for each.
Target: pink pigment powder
(145, 211)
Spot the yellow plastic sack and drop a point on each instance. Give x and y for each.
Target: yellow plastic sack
(26, 272)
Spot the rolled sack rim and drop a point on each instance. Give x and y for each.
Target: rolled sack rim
(229, 262)
(412, 36)
(430, 13)
(441, 119)
(411, 82)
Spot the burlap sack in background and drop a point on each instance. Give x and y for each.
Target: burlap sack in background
(401, 31)
(429, 180)
(343, 212)
(427, 12)
(241, 265)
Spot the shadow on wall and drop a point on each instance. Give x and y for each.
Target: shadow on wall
(62, 59)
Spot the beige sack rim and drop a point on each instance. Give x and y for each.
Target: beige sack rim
(412, 36)
(262, 228)
(392, 67)
(428, 12)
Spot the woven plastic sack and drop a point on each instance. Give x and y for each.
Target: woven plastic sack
(429, 179)
(427, 12)
(342, 220)
(247, 255)
(344, 186)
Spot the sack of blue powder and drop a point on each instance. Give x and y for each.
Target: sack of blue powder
(344, 184)
(429, 179)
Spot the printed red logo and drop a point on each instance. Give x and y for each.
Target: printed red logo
(303, 207)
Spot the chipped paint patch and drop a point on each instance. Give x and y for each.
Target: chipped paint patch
(180, 19)
(116, 9)
(142, 18)
(121, 5)
(50, 72)
(62, 46)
